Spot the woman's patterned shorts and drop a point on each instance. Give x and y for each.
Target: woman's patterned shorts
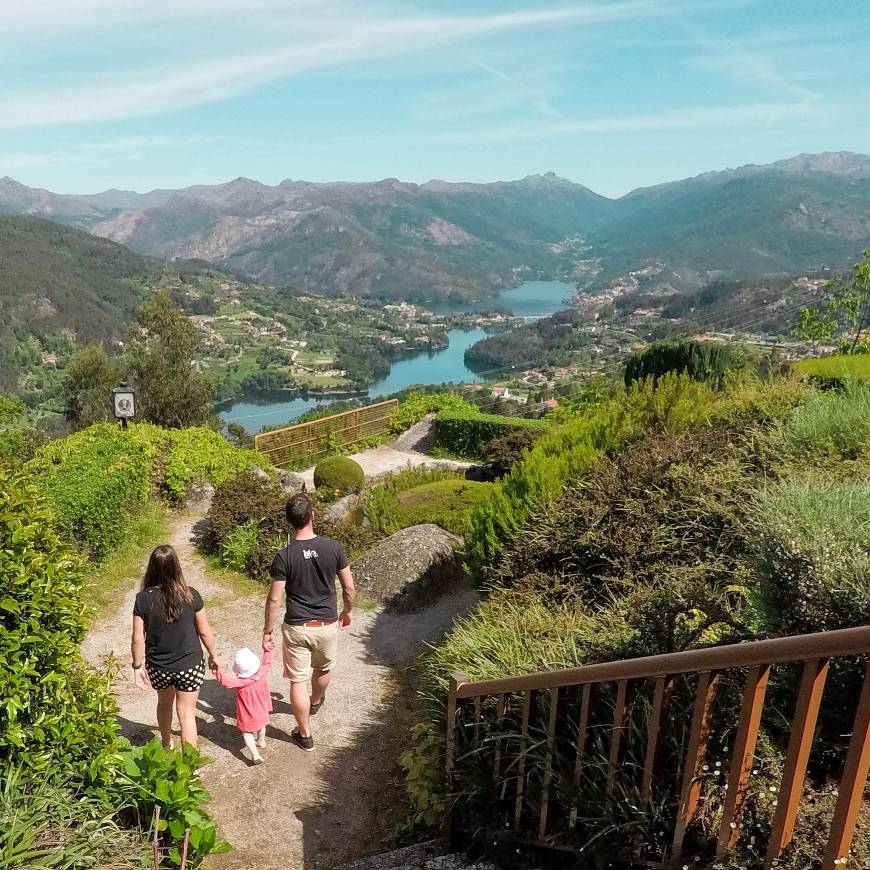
(190, 680)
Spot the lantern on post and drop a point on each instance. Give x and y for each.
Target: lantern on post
(123, 403)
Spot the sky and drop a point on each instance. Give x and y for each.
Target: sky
(142, 94)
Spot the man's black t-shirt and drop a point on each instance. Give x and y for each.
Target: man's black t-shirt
(309, 568)
(169, 646)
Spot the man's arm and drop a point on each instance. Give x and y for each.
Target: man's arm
(273, 608)
(348, 594)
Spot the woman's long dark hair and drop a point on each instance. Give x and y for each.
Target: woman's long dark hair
(164, 570)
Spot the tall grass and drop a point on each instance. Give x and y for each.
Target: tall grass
(833, 423)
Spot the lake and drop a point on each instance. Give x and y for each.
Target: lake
(532, 299)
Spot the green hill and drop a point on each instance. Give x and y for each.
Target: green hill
(56, 280)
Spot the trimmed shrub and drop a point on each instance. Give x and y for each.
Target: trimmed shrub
(93, 480)
(700, 360)
(466, 433)
(58, 716)
(341, 473)
(446, 503)
(418, 405)
(832, 369)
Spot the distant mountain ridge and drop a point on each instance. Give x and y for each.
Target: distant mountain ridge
(439, 239)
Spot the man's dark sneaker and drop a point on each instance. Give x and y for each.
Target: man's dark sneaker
(315, 708)
(306, 743)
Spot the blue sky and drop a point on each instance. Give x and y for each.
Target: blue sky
(141, 94)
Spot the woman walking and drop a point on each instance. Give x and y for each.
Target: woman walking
(169, 629)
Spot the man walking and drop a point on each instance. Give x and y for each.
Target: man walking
(306, 570)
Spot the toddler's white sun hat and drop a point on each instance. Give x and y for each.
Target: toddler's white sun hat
(246, 664)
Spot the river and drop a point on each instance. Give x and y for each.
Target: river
(531, 299)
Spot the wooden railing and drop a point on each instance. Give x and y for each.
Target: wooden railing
(326, 435)
(516, 739)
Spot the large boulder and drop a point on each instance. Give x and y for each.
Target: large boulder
(409, 568)
(198, 498)
(342, 511)
(292, 482)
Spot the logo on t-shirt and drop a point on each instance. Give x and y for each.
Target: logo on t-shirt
(309, 554)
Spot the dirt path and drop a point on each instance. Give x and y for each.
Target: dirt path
(298, 809)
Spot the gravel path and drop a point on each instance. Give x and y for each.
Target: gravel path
(298, 809)
(380, 461)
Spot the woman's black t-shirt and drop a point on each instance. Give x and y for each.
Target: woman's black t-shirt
(169, 646)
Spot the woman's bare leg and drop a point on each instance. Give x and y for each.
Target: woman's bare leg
(165, 700)
(185, 704)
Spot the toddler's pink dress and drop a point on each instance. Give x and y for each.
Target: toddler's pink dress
(253, 701)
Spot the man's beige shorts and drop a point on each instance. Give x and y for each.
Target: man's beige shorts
(309, 650)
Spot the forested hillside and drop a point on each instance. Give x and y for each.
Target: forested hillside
(57, 281)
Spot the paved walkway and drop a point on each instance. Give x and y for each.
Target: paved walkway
(380, 461)
(298, 809)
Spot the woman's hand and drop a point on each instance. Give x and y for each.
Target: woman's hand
(213, 666)
(140, 678)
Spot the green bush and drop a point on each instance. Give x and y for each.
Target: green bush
(446, 503)
(58, 716)
(154, 776)
(503, 453)
(46, 826)
(238, 545)
(203, 454)
(418, 405)
(93, 480)
(563, 454)
(341, 473)
(466, 433)
(812, 541)
(700, 360)
(833, 424)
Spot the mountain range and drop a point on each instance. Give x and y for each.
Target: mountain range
(444, 239)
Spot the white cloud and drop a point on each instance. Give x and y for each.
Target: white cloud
(301, 37)
(123, 148)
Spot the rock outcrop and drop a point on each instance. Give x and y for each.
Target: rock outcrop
(410, 567)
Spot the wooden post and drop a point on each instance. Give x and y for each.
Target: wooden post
(800, 743)
(582, 727)
(521, 768)
(548, 763)
(852, 783)
(456, 680)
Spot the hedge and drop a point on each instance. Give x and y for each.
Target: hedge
(466, 433)
(58, 716)
(835, 368)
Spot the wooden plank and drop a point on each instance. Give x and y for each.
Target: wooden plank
(800, 743)
(619, 713)
(582, 729)
(501, 708)
(699, 733)
(661, 696)
(742, 757)
(548, 763)
(456, 680)
(478, 710)
(852, 783)
(521, 770)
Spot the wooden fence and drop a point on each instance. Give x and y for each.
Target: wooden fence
(326, 435)
(554, 758)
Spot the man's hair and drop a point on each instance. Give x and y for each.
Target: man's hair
(298, 511)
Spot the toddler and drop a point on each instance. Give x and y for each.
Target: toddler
(250, 679)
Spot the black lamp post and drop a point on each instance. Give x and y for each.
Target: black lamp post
(123, 403)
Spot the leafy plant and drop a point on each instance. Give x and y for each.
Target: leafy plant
(51, 826)
(153, 776)
(58, 716)
(503, 453)
(237, 546)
